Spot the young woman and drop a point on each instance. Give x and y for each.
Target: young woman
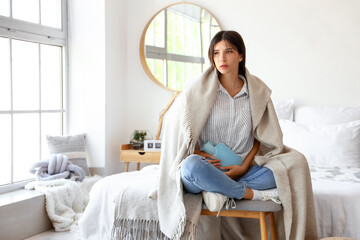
(226, 104)
(229, 123)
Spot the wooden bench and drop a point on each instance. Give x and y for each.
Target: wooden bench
(252, 209)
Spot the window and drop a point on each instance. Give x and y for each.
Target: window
(173, 56)
(33, 37)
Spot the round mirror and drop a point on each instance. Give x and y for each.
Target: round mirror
(174, 44)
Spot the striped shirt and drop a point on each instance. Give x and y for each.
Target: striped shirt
(230, 121)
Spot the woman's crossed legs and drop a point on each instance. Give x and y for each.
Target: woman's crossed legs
(199, 175)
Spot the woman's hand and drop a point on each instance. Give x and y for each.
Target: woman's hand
(210, 158)
(235, 171)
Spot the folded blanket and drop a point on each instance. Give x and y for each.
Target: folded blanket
(66, 200)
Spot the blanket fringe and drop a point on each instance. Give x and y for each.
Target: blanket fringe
(128, 229)
(180, 229)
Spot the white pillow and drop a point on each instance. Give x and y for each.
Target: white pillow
(326, 115)
(325, 145)
(284, 109)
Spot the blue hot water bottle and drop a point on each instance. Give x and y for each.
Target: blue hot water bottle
(223, 153)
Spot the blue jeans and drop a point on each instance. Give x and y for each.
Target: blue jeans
(198, 175)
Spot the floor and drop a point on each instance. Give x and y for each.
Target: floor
(52, 235)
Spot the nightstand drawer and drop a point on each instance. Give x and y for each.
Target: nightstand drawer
(128, 154)
(139, 156)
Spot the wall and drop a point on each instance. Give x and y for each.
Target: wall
(307, 50)
(116, 83)
(87, 75)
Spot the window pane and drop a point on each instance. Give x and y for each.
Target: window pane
(171, 72)
(155, 32)
(196, 39)
(50, 125)
(157, 68)
(26, 10)
(191, 69)
(5, 8)
(50, 77)
(176, 75)
(160, 70)
(180, 73)
(180, 69)
(5, 149)
(25, 70)
(51, 13)
(187, 39)
(171, 32)
(192, 38)
(151, 64)
(159, 25)
(5, 97)
(179, 42)
(195, 70)
(26, 144)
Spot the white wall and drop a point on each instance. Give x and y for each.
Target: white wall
(116, 109)
(87, 75)
(307, 50)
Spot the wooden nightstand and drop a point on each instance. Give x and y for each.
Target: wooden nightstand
(128, 155)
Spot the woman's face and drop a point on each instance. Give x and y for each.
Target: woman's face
(226, 58)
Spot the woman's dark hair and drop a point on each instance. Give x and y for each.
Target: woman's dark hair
(235, 39)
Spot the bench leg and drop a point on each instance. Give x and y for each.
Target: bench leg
(272, 226)
(263, 229)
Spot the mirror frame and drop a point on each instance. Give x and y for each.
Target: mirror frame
(142, 45)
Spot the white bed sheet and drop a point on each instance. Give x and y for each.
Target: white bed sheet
(97, 221)
(337, 201)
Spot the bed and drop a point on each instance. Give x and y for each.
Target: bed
(328, 137)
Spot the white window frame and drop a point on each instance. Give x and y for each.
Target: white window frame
(21, 30)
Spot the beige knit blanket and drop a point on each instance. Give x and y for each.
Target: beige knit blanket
(65, 199)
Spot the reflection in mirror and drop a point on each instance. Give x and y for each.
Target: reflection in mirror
(174, 44)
